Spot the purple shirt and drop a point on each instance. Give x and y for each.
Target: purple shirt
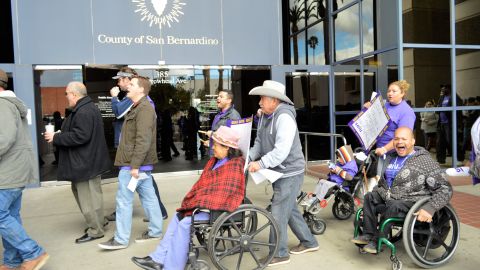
(401, 115)
(220, 162)
(143, 168)
(350, 167)
(443, 115)
(396, 164)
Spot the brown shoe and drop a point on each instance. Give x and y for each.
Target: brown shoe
(279, 261)
(4, 267)
(36, 263)
(300, 249)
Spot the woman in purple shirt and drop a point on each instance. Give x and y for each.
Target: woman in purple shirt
(401, 115)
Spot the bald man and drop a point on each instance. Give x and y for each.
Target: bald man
(408, 175)
(83, 157)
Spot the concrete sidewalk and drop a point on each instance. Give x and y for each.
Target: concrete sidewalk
(51, 217)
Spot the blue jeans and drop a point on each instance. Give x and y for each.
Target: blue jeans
(18, 245)
(285, 212)
(125, 207)
(173, 249)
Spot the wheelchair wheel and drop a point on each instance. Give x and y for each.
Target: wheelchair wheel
(235, 243)
(317, 226)
(432, 244)
(344, 206)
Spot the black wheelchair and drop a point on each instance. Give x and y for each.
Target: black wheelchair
(346, 198)
(236, 240)
(429, 245)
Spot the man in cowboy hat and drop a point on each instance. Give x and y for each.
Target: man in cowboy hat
(277, 147)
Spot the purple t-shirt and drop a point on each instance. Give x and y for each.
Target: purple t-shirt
(443, 115)
(401, 115)
(350, 167)
(396, 164)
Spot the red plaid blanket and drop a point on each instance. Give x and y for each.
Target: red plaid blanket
(220, 189)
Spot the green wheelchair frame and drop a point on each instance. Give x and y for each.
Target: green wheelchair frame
(419, 238)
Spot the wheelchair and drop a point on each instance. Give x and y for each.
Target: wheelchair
(428, 245)
(347, 197)
(239, 239)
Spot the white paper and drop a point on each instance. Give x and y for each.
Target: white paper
(265, 174)
(370, 124)
(132, 184)
(374, 94)
(244, 129)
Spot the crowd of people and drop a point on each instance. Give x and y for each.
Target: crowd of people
(406, 172)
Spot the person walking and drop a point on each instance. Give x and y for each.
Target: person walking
(226, 113)
(136, 155)
(18, 168)
(83, 157)
(277, 147)
(121, 104)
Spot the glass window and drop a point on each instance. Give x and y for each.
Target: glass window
(467, 22)
(297, 49)
(426, 21)
(379, 71)
(51, 87)
(339, 4)
(384, 22)
(6, 53)
(341, 127)
(427, 70)
(368, 26)
(309, 92)
(296, 15)
(316, 45)
(347, 87)
(468, 74)
(311, 11)
(347, 42)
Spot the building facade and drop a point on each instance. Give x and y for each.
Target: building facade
(331, 54)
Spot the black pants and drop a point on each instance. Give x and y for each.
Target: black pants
(444, 143)
(374, 205)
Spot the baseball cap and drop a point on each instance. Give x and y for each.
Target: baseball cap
(122, 74)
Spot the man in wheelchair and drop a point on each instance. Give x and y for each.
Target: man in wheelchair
(409, 174)
(220, 187)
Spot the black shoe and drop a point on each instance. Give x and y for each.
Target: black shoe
(86, 238)
(147, 263)
(111, 217)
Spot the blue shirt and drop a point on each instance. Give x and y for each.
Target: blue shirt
(394, 167)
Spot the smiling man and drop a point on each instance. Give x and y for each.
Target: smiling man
(408, 175)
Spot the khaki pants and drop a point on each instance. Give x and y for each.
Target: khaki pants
(89, 197)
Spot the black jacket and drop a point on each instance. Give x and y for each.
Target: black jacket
(81, 142)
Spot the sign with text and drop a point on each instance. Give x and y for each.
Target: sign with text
(370, 123)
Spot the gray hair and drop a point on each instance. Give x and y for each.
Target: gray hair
(78, 88)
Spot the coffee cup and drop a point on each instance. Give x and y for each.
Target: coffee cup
(49, 128)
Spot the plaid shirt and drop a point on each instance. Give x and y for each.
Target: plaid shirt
(219, 189)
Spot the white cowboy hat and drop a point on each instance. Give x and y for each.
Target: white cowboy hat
(271, 89)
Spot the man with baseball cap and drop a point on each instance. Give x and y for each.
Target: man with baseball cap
(277, 147)
(120, 104)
